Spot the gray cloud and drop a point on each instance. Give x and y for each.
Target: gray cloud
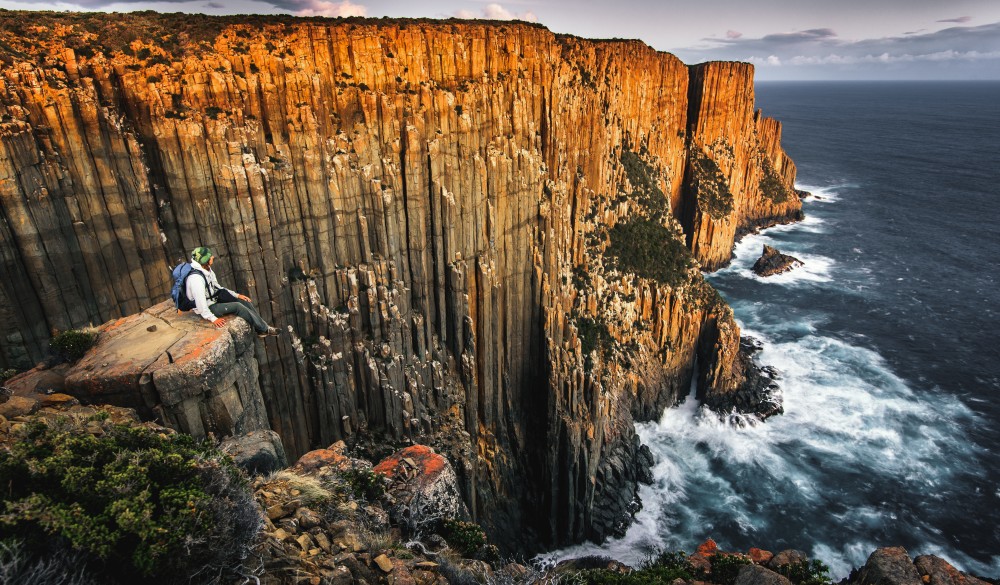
(967, 52)
(959, 20)
(299, 7)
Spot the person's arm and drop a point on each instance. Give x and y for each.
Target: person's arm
(218, 287)
(242, 297)
(196, 292)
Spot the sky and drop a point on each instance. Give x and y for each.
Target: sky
(785, 39)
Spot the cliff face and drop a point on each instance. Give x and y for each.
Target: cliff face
(471, 233)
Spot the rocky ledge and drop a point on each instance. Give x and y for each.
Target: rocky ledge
(772, 262)
(174, 368)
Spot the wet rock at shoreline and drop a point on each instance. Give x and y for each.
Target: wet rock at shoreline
(772, 262)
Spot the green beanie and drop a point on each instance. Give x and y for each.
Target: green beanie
(201, 255)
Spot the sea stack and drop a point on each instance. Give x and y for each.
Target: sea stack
(772, 262)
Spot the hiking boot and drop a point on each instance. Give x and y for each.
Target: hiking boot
(270, 332)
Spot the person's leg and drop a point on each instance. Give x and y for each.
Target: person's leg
(240, 309)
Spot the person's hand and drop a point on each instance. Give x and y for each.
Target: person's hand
(243, 298)
(219, 323)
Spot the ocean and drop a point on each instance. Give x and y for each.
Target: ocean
(885, 341)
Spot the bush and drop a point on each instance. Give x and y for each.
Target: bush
(726, 567)
(813, 572)
(138, 505)
(73, 344)
(465, 537)
(213, 112)
(650, 250)
(365, 484)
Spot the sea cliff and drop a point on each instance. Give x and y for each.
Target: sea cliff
(481, 236)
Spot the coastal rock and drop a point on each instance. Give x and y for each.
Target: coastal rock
(887, 566)
(773, 262)
(758, 575)
(424, 209)
(937, 571)
(787, 557)
(424, 488)
(760, 556)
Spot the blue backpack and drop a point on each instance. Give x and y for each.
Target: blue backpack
(181, 272)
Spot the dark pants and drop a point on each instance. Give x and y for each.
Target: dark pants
(227, 304)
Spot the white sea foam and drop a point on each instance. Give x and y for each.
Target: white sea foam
(815, 268)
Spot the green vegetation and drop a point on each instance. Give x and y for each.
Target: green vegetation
(467, 538)
(649, 250)
(813, 572)
(726, 567)
(72, 344)
(771, 185)
(365, 484)
(213, 112)
(645, 184)
(710, 186)
(139, 506)
(662, 570)
(593, 335)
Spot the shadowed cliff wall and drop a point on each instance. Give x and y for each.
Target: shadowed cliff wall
(447, 219)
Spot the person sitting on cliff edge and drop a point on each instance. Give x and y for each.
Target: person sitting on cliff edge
(213, 301)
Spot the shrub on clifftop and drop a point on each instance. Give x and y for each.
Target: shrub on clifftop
(72, 344)
(140, 505)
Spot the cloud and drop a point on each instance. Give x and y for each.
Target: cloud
(324, 8)
(973, 52)
(494, 11)
(328, 8)
(959, 20)
(733, 34)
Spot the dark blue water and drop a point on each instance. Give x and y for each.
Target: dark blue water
(886, 340)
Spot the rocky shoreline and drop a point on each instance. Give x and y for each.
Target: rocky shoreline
(336, 519)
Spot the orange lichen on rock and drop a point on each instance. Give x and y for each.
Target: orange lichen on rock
(423, 459)
(760, 556)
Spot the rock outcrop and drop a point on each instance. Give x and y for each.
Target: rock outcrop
(772, 262)
(481, 236)
(176, 368)
(424, 487)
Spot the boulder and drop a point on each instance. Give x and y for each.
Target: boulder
(423, 486)
(773, 262)
(937, 571)
(194, 377)
(18, 406)
(758, 575)
(319, 460)
(787, 557)
(257, 452)
(760, 556)
(888, 566)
